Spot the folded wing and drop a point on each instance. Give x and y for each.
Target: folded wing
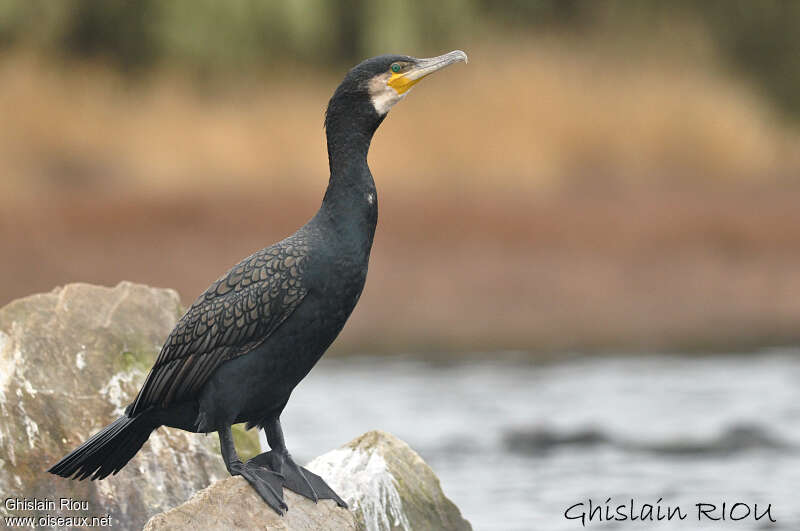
(235, 315)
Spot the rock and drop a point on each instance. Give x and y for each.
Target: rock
(387, 485)
(70, 360)
(233, 504)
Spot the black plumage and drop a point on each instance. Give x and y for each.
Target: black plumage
(244, 344)
(236, 314)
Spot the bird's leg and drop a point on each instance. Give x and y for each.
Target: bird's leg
(267, 483)
(298, 479)
(295, 478)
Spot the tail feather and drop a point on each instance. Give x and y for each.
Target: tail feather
(107, 451)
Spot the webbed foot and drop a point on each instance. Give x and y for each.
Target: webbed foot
(296, 478)
(266, 482)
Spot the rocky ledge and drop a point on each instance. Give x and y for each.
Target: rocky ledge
(71, 359)
(386, 484)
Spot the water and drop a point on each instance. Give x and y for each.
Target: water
(515, 443)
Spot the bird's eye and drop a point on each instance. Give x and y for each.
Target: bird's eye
(396, 67)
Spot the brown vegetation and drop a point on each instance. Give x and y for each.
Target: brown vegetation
(553, 198)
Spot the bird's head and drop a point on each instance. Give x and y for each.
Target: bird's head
(382, 81)
(390, 77)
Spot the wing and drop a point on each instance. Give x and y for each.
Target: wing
(236, 314)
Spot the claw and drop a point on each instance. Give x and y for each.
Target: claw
(299, 483)
(296, 478)
(320, 487)
(268, 484)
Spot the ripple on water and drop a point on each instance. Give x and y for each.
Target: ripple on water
(525, 441)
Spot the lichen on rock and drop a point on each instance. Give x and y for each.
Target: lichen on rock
(385, 483)
(388, 485)
(70, 360)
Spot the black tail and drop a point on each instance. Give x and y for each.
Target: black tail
(107, 451)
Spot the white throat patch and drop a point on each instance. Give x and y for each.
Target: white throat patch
(382, 95)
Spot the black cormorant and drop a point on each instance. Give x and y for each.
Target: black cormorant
(242, 347)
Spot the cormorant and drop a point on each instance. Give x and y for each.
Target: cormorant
(244, 344)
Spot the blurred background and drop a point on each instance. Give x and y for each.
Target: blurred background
(605, 182)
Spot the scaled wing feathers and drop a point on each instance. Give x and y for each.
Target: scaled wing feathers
(235, 315)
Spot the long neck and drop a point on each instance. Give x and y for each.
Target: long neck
(349, 126)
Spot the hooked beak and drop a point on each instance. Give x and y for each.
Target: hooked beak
(421, 68)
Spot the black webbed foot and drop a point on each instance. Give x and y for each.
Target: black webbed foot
(267, 483)
(296, 478)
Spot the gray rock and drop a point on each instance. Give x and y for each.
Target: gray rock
(70, 360)
(387, 485)
(233, 504)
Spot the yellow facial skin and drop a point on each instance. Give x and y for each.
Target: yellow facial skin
(417, 69)
(400, 83)
(389, 87)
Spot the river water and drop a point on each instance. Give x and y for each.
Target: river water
(517, 443)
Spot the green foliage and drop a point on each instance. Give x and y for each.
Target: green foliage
(760, 39)
(763, 40)
(213, 35)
